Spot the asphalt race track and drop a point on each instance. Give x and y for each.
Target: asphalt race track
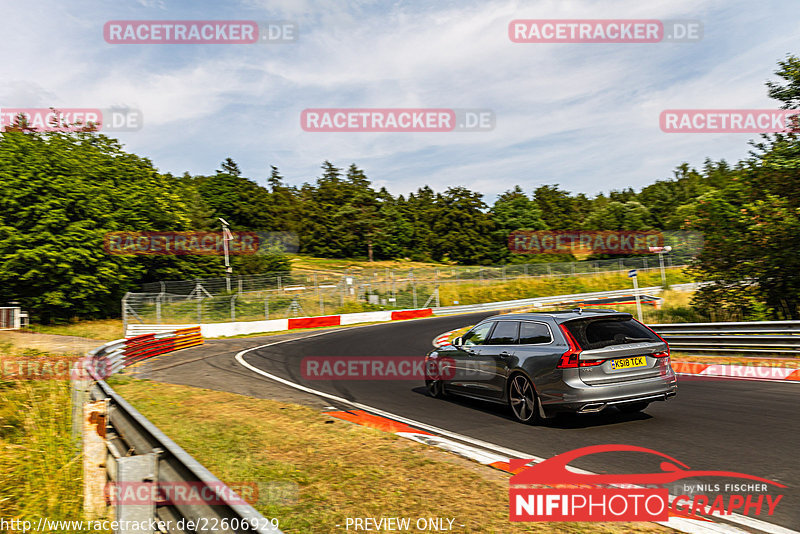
(713, 424)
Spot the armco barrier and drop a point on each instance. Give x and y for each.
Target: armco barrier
(210, 330)
(120, 446)
(754, 338)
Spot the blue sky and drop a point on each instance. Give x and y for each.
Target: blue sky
(581, 115)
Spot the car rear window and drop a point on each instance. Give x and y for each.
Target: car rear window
(598, 333)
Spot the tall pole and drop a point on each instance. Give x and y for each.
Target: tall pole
(663, 273)
(125, 315)
(319, 294)
(636, 294)
(226, 236)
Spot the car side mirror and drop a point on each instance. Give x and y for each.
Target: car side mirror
(457, 342)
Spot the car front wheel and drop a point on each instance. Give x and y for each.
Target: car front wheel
(435, 388)
(522, 399)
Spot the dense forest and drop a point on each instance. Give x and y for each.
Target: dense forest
(62, 192)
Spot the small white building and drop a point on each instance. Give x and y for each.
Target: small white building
(13, 318)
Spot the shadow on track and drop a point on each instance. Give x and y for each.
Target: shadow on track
(566, 421)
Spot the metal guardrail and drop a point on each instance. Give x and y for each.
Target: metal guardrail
(126, 448)
(139, 329)
(755, 338)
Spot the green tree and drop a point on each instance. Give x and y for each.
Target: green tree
(560, 211)
(461, 227)
(395, 239)
(229, 167)
(752, 225)
(237, 199)
(616, 215)
(513, 210)
(358, 218)
(62, 193)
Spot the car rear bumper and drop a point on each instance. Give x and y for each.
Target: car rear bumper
(575, 396)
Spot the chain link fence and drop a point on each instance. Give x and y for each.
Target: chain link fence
(293, 281)
(281, 295)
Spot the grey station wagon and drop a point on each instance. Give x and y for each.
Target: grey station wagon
(541, 364)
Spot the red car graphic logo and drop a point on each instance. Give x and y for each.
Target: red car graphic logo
(554, 470)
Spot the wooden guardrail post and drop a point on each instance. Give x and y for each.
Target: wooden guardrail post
(78, 391)
(95, 419)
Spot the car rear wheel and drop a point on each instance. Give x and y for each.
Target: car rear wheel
(435, 388)
(522, 399)
(633, 407)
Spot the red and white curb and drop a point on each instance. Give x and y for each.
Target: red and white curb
(747, 372)
(239, 328)
(481, 451)
(442, 340)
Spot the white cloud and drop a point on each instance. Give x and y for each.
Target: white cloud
(583, 115)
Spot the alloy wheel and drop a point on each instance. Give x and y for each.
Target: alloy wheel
(522, 399)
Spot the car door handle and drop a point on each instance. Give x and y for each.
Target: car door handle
(505, 354)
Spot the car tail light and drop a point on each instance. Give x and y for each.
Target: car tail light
(655, 334)
(569, 359)
(663, 354)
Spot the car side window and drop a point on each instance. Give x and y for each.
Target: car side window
(533, 333)
(505, 333)
(477, 335)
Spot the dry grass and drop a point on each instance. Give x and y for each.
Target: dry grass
(342, 470)
(102, 329)
(521, 288)
(301, 263)
(40, 467)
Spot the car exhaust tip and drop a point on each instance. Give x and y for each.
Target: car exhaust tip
(592, 407)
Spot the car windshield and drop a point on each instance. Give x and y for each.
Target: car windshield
(598, 333)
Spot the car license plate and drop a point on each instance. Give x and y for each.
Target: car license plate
(628, 363)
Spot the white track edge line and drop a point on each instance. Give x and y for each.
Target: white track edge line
(752, 379)
(770, 528)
